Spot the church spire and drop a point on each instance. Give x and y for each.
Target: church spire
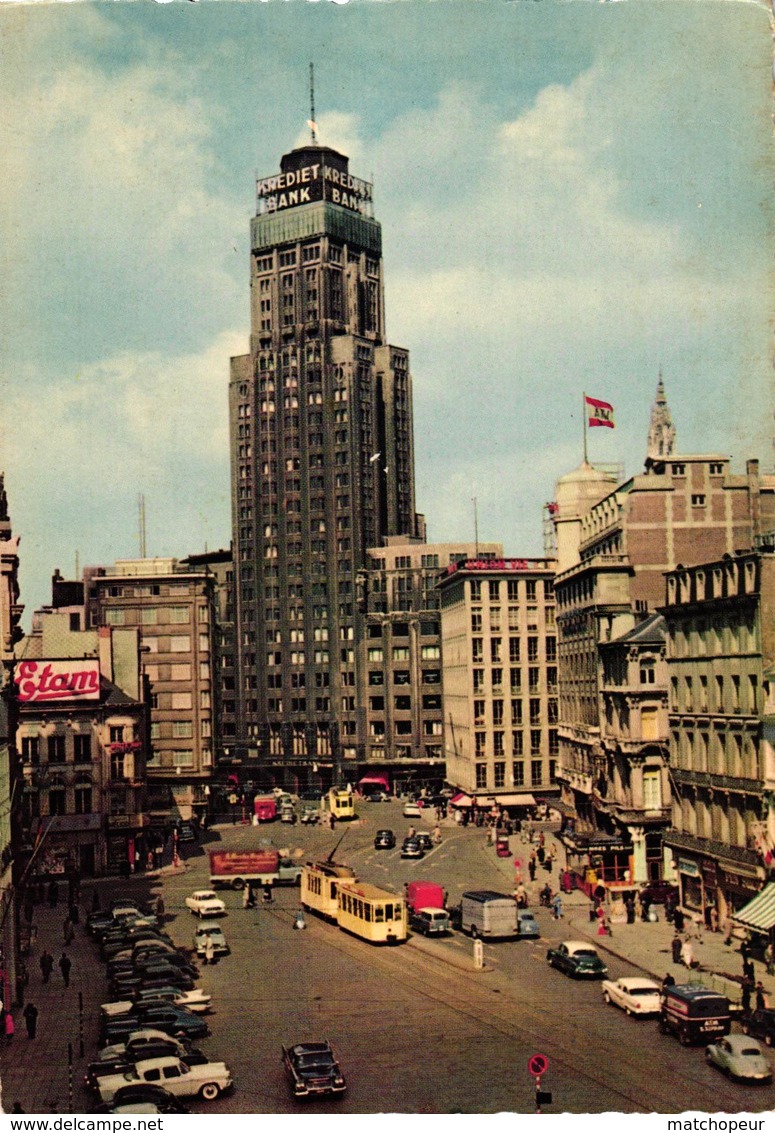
(661, 438)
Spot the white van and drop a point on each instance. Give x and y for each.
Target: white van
(488, 914)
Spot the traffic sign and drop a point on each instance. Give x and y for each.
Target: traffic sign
(537, 1065)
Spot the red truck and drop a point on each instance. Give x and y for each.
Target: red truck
(265, 808)
(252, 867)
(426, 903)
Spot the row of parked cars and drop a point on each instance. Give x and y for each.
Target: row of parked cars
(146, 1062)
(691, 1012)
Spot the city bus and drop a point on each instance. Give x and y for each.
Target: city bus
(371, 913)
(320, 883)
(341, 803)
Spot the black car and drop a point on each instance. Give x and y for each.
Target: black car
(313, 1070)
(425, 840)
(175, 1021)
(384, 840)
(761, 1024)
(102, 1067)
(125, 984)
(412, 849)
(135, 1093)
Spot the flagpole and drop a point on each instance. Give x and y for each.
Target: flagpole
(584, 420)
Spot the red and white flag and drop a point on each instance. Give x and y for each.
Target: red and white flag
(600, 412)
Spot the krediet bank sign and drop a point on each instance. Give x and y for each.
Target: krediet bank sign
(314, 181)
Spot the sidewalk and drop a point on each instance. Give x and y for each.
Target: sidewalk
(34, 1072)
(645, 944)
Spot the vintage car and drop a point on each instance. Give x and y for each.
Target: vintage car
(430, 922)
(760, 1023)
(577, 959)
(206, 1080)
(412, 810)
(740, 1057)
(634, 995)
(384, 840)
(215, 933)
(205, 903)
(312, 1069)
(527, 926)
(194, 1000)
(411, 848)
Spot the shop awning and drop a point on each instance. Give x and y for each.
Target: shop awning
(461, 800)
(760, 912)
(505, 800)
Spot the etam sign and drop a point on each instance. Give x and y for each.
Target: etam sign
(37, 681)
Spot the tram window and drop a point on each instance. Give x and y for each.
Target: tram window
(388, 912)
(379, 913)
(333, 889)
(367, 911)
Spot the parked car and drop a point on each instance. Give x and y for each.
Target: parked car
(102, 1067)
(577, 959)
(425, 840)
(384, 840)
(310, 814)
(740, 1057)
(205, 903)
(430, 922)
(195, 1000)
(527, 925)
(634, 995)
(761, 1023)
(208, 1080)
(141, 1041)
(412, 810)
(288, 813)
(412, 849)
(164, 1017)
(215, 932)
(138, 1092)
(312, 1068)
(377, 797)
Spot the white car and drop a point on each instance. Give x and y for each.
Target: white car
(205, 903)
(195, 1000)
(411, 810)
(207, 1080)
(634, 995)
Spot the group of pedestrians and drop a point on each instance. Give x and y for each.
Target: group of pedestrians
(47, 966)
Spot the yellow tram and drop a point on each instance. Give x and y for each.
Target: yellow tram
(320, 882)
(371, 913)
(341, 804)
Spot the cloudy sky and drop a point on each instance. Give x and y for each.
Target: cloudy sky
(572, 195)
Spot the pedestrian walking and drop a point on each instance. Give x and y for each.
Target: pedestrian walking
(209, 950)
(668, 982)
(31, 1020)
(68, 931)
(749, 972)
(557, 906)
(676, 949)
(761, 998)
(769, 959)
(331, 821)
(46, 965)
(745, 997)
(687, 953)
(678, 919)
(10, 1028)
(531, 866)
(541, 854)
(65, 964)
(629, 905)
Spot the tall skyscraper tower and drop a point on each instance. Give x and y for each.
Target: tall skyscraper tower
(322, 463)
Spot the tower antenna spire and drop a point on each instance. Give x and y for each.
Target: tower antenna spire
(313, 130)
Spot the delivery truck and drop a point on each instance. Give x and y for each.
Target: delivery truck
(482, 912)
(252, 867)
(264, 808)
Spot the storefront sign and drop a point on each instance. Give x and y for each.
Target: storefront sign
(689, 868)
(491, 564)
(38, 681)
